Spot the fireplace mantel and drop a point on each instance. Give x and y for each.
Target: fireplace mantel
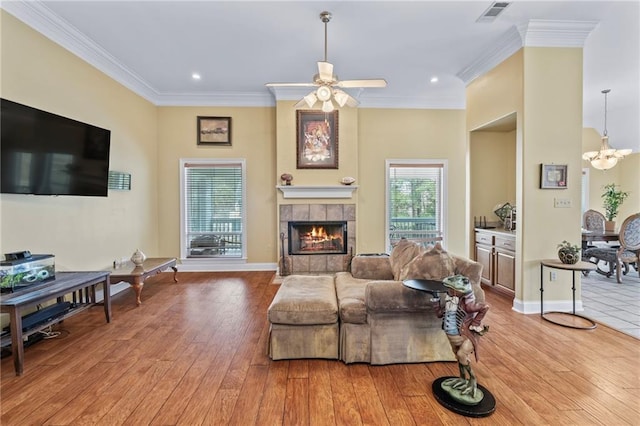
(304, 191)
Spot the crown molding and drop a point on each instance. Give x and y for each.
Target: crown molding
(534, 33)
(215, 99)
(538, 33)
(543, 33)
(505, 47)
(39, 17)
(374, 99)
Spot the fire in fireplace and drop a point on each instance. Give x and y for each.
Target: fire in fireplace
(318, 237)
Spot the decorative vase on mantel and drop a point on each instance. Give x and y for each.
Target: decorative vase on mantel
(138, 257)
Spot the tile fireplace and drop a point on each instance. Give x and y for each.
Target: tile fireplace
(318, 238)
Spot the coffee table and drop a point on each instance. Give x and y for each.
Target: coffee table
(136, 275)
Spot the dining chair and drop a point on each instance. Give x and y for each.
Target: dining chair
(593, 220)
(624, 257)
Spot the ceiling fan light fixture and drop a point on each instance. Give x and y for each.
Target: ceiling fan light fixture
(340, 97)
(327, 106)
(323, 93)
(327, 82)
(310, 99)
(607, 157)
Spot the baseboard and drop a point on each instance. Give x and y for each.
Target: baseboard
(554, 305)
(205, 265)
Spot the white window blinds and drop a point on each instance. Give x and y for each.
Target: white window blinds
(415, 201)
(213, 209)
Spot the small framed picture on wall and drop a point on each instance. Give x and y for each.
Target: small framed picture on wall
(214, 131)
(553, 176)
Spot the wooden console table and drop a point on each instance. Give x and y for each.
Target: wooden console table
(64, 283)
(135, 275)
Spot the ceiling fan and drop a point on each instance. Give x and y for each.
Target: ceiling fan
(328, 86)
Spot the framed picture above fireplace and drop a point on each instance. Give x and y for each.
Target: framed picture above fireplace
(317, 139)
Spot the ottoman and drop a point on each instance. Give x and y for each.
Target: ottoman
(303, 319)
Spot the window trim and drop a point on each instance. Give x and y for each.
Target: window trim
(183, 235)
(444, 191)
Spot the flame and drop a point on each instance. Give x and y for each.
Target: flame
(318, 233)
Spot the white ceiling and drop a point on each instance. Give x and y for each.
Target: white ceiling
(153, 47)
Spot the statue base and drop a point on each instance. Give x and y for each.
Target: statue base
(484, 408)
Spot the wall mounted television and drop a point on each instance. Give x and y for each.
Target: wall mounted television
(46, 154)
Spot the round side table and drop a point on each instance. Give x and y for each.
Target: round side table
(581, 266)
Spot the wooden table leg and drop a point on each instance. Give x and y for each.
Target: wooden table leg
(175, 274)
(138, 283)
(106, 299)
(17, 344)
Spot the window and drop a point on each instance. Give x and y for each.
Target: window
(415, 200)
(213, 209)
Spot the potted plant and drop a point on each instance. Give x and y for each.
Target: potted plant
(613, 199)
(569, 253)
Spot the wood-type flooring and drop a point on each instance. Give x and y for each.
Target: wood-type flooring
(195, 353)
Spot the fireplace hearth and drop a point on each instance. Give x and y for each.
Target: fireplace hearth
(317, 237)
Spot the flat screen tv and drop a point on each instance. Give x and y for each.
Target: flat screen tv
(46, 154)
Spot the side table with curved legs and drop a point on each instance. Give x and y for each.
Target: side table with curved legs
(581, 266)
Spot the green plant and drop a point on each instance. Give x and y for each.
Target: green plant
(569, 253)
(613, 199)
(571, 248)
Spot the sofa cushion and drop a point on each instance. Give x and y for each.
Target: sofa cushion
(433, 264)
(402, 254)
(304, 300)
(351, 292)
(393, 296)
(372, 267)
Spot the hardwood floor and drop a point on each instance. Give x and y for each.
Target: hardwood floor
(195, 353)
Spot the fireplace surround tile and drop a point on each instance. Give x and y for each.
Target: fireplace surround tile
(318, 212)
(300, 212)
(319, 263)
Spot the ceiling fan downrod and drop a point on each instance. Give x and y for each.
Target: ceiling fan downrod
(325, 17)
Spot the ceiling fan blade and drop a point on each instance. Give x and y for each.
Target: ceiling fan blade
(325, 71)
(378, 82)
(291, 84)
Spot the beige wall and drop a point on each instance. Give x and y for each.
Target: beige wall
(84, 233)
(544, 87)
(253, 139)
(408, 134)
(493, 174)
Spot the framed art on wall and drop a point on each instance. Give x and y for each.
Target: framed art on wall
(317, 140)
(553, 176)
(214, 130)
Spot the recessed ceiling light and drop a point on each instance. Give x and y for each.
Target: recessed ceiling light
(195, 76)
(434, 79)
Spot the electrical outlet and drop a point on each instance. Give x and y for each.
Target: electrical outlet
(562, 203)
(553, 276)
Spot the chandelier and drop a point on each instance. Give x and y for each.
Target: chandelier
(607, 157)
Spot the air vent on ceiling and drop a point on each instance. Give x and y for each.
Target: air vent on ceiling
(493, 11)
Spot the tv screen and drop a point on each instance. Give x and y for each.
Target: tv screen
(46, 154)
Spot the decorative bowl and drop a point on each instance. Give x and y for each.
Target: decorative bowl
(347, 180)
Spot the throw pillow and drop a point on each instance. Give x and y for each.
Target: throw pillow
(402, 254)
(434, 264)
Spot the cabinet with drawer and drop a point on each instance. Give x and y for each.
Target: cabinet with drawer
(496, 252)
